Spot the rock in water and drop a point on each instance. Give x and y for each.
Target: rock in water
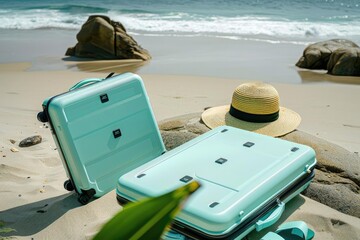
(102, 38)
(345, 62)
(317, 55)
(30, 141)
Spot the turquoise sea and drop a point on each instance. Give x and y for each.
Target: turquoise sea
(273, 20)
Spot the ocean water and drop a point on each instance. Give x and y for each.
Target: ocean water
(253, 39)
(289, 21)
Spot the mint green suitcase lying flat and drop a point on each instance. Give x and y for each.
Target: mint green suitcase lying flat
(246, 179)
(103, 129)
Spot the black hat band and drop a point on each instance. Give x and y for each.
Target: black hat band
(250, 117)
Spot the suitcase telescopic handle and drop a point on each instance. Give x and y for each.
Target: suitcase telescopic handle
(272, 218)
(85, 82)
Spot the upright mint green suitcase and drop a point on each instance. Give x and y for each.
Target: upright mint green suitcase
(103, 129)
(246, 179)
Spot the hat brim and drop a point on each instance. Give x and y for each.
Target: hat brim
(287, 122)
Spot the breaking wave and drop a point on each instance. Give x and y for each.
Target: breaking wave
(72, 16)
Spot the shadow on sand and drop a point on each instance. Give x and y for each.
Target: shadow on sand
(31, 218)
(318, 76)
(91, 65)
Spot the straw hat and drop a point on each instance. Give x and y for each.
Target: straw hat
(255, 106)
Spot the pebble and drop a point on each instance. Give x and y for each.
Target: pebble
(12, 141)
(30, 141)
(14, 149)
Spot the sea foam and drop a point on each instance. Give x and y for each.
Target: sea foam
(182, 23)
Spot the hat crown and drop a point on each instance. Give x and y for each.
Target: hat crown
(256, 98)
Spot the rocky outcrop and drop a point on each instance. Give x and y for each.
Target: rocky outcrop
(179, 130)
(345, 62)
(102, 38)
(337, 178)
(317, 55)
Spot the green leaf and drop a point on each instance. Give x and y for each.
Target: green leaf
(146, 219)
(7, 230)
(4, 229)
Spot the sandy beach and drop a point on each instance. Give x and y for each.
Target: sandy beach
(34, 203)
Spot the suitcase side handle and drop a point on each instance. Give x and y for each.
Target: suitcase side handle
(272, 218)
(85, 82)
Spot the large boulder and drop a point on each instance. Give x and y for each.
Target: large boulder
(102, 38)
(317, 55)
(337, 177)
(345, 62)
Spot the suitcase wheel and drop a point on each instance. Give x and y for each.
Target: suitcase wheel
(68, 185)
(41, 116)
(85, 196)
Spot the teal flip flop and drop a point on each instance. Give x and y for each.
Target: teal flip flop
(297, 230)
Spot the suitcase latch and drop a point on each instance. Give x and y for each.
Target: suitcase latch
(117, 133)
(186, 179)
(248, 144)
(104, 98)
(307, 168)
(221, 161)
